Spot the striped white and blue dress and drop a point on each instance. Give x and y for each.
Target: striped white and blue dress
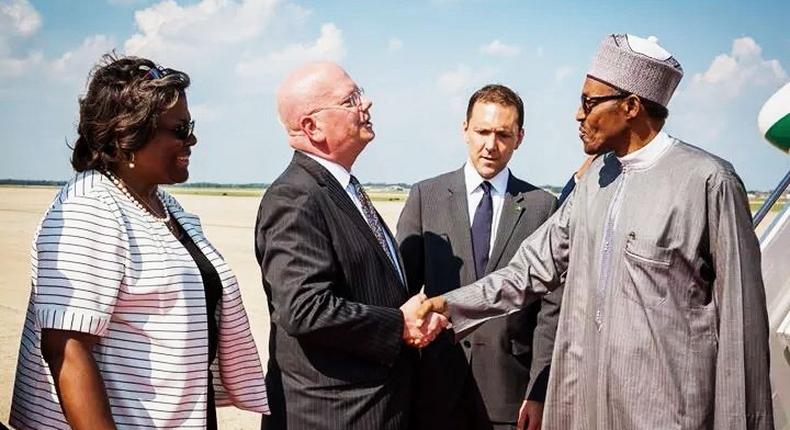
(102, 266)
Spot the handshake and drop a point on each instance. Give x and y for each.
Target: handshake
(423, 319)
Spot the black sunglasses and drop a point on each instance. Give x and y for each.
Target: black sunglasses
(184, 131)
(157, 72)
(589, 103)
(160, 72)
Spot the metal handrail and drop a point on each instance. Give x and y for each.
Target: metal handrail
(772, 198)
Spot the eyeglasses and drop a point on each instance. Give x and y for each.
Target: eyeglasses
(184, 131)
(352, 102)
(589, 103)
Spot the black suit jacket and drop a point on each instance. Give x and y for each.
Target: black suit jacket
(336, 358)
(484, 378)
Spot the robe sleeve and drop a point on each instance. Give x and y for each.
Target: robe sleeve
(538, 267)
(543, 336)
(543, 346)
(743, 390)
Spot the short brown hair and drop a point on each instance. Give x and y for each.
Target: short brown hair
(499, 94)
(121, 110)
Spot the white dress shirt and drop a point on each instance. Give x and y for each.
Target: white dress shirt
(647, 155)
(343, 177)
(474, 193)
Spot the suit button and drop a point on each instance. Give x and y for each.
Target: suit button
(467, 344)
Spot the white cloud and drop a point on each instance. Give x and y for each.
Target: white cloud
(211, 39)
(733, 84)
(328, 46)
(76, 63)
(205, 39)
(187, 35)
(125, 2)
(199, 38)
(746, 47)
(730, 74)
(455, 80)
(18, 17)
(72, 67)
(394, 44)
(562, 73)
(463, 78)
(14, 67)
(499, 49)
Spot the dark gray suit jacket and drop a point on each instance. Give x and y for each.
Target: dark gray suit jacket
(494, 367)
(336, 358)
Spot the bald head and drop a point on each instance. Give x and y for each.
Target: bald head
(305, 90)
(325, 113)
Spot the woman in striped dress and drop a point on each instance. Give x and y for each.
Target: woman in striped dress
(135, 320)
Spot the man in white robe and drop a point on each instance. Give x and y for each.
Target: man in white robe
(664, 323)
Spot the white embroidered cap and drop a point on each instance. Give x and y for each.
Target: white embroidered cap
(638, 66)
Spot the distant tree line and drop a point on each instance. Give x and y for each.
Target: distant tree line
(254, 185)
(29, 182)
(262, 185)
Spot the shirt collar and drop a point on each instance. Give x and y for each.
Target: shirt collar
(647, 155)
(339, 172)
(473, 179)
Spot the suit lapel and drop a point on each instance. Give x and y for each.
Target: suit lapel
(458, 217)
(344, 202)
(512, 210)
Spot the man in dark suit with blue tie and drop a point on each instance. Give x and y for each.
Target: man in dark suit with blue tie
(341, 345)
(455, 229)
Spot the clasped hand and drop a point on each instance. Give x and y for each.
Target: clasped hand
(423, 320)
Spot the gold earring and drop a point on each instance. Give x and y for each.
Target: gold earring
(131, 161)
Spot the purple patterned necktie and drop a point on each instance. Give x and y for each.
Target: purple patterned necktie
(481, 230)
(372, 217)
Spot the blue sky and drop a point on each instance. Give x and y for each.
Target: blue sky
(418, 60)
